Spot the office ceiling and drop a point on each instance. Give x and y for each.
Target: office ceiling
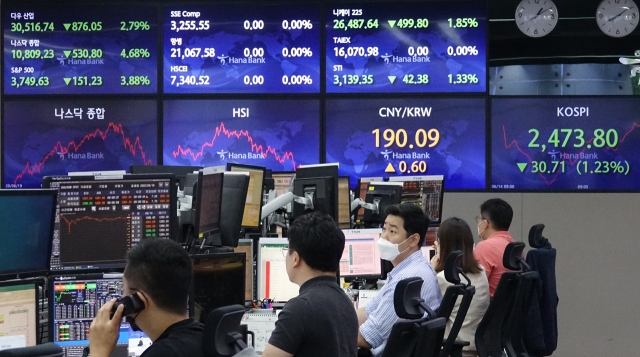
(575, 39)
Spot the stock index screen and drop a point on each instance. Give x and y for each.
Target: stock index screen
(409, 137)
(57, 136)
(80, 49)
(99, 219)
(406, 47)
(251, 48)
(569, 144)
(277, 134)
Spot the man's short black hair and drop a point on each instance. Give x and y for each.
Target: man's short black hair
(414, 219)
(318, 240)
(162, 269)
(498, 212)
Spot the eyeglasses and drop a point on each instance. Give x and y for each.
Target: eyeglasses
(285, 250)
(480, 218)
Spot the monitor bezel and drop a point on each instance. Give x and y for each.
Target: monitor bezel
(263, 240)
(350, 278)
(198, 208)
(231, 166)
(36, 284)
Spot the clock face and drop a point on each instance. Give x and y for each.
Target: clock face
(617, 18)
(537, 18)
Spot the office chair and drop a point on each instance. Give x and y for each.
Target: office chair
(45, 350)
(419, 336)
(514, 327)
(452, 271)
(221, 337)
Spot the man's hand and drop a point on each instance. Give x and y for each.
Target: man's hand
(104, 331)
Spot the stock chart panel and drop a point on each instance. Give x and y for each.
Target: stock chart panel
(277, 134)
(57, 136)
(80, 49)
(409, 137)
(549, 144)
(433, 47)
(241, 48)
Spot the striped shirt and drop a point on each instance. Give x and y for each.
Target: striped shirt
(381, 314)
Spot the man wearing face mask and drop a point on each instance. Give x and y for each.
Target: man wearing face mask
(493, 228)
(159, 272)
(405, 229)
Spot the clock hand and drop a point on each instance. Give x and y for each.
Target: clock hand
(620, 14)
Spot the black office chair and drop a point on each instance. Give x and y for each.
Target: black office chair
(452, 271)
(221, 337)
(419, 336)
(45, 350)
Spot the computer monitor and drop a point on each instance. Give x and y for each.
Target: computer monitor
(319, 183)
(18, 314)
(234, 193)
(381, 194)
(361, 192)
(74, 301)
(344, 203)
(361, 257)
(26, 230)
(218, 280)
(208, 203)
(424, 191)
(246, 246)
(282, 182)
(99, 219)
(180, 172)
(273, 280)
(253, 205)
(428, 250)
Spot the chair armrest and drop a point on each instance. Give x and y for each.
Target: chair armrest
(456, 349)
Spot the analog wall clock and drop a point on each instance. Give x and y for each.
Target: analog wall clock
(617, 18)
(537, 18)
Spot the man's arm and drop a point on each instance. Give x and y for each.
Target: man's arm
(481, 253)
(380, 317)
(273, 351)
(362, 315)
(104, 330)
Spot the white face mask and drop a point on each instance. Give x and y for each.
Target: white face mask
(388, 250)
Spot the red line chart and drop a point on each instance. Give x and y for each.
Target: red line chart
(221, 130)
(73, 146)
(71, 222)
(548, 182)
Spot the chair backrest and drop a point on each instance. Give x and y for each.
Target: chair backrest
(513, 330)
(406, 298)
(467, 296)
(512, 258)
(431, 336)
(45, 350)
(221, 337)
(489, 332)
(403, 339)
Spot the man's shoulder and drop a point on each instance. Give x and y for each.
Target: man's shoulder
(184, 339)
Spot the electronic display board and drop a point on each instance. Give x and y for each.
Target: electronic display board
(80, 49)
(418, 47)
(251, 48)
(277, 134)
(57, 136)
(565, 143)
(409, 137)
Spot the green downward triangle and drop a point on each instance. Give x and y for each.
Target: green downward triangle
(522, 166)
(392, 23)
(67, 53)
(67, 80)
(392, 79)
(66, 26)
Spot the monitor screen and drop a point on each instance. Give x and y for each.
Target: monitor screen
(58, 136)
(208, 203)
(424, 191)
(73, 303)
(253, 205)
(277, 134)
(100, 218)
(56, 48)
(18, 314)
(406, 47)
(565, 144)
(246, 246)
(273, 280)
(246, 48)
(408, 137)
(361, 257)
(218, 280)
(26, 230)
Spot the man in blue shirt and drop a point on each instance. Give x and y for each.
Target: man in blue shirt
(405, 229)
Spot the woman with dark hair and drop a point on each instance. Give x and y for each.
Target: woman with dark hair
(455, 234)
